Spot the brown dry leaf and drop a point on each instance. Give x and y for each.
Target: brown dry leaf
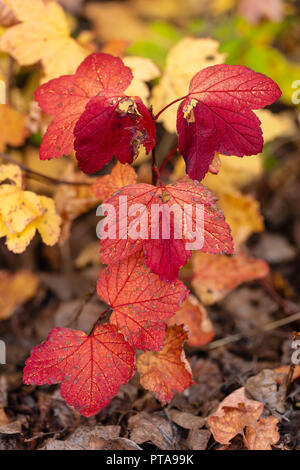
(265, 388)
(121, 175)
(263, 434)
(13, 127)
(42, 35)
(167, 371)
(198, 439)
(193, 315)
(184, 60)
(152, 428)
(15, 290)
(3, 418)
(143, 70)
(92, 438)
(186, 420)
(236, 413)
(115, 20)
(217, 275)
(232, 416)
(73, 201)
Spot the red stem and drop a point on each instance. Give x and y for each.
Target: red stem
(168, 105)
(168, 158)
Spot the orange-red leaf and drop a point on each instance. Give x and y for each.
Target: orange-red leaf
(165, 254)
(121, 175)
(90, 368)
(194, 316)
(237, 414)
(141, 302)
(166, 372)
(216, 276)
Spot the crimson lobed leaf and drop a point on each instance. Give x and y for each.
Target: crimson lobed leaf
(94, 96)
(217, 115)
(90, 368)
(111, 126)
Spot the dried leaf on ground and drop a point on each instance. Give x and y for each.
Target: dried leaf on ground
(152, 428)
(15, 290)
(217, 275)
(193, 315)
(237, 413)
(265, 388)
(167, 371)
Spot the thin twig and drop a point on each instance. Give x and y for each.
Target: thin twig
(39, 176)
(86, 298)
(267, 327)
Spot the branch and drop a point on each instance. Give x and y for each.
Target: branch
(39, 176)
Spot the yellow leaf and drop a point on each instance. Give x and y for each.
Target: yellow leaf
(242, 213)
(115, 20)
(23, 212)
(15, 290)
(185, 59)
(13, 127)
(144, 70)
(73, 201)
(42, 35)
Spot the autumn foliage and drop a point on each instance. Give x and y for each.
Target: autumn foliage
(149, 309)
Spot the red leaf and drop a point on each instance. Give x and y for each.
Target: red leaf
(90, 368)
(217, 115)
(165, 256)
(66, 98)
(111, 126)
(167, 371)
(141, 302)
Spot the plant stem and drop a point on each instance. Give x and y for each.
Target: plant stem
(86, 298)
(102, 315)
(168, 105)
(39, 176)
(168, 158)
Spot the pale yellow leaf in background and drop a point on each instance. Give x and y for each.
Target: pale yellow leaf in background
(15, 289)
(115, 20)
(184, 60)
(277, 125)
(242, 213)
(144, 70)
(73, 200)
(42, 35)
(23, 212)
(13, 127)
